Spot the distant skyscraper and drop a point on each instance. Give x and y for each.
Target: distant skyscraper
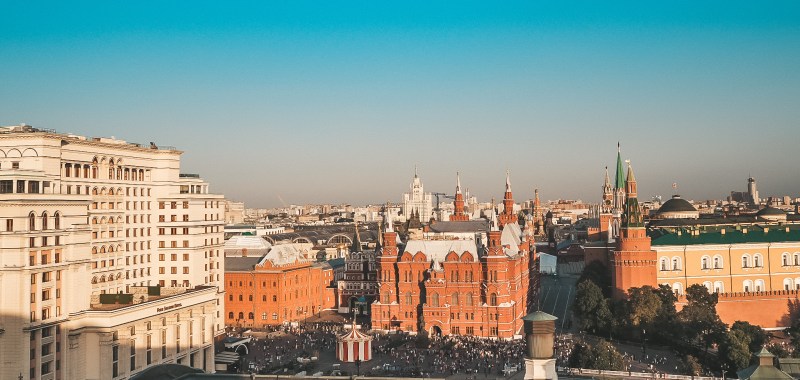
(418, 201)
(752, 192)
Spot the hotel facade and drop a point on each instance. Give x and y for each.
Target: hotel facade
(109, 258)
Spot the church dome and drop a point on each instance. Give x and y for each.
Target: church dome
(770, 211)
(676, 204)
(677, 208)
(772, 214)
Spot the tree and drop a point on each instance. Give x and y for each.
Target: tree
(758, 337)
(735, 350)
(590, 308)
(690, 366)
(642, 307)
(602, 355)
(699, 317)
(666, 322)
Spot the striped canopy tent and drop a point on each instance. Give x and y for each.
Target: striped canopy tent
(353, 345)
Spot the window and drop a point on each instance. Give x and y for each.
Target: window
(747, 285)
(664, 264)
(676, 263)
(717, 262)
(759, 286)
(9, 225)
(435, 299)
(704, 262)
(493, 299)
(32, 222)
(757, 262)
(745, 261)
(454, 299)
(409, 299)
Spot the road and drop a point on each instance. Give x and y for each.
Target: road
(556, 297)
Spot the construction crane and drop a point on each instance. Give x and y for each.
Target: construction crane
(443, 195)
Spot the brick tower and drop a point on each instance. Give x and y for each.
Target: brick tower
(633, 263)
(459, 215)
(508, 215)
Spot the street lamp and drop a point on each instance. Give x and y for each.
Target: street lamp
(644, 342)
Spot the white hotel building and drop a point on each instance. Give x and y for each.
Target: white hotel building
(110, 259)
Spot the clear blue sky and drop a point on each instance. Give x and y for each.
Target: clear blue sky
(337, 101)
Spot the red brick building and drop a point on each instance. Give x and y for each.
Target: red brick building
(456, 285)
(285, 285)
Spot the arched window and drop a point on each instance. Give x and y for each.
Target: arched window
(230, 315)
(409, 299)
(264, 298)
(757, 261)
(32, 221)
(796, 258)
(44, 220)
(664, 264)
(785, 259)
(708, 286)
(719, 287)
(468, 299)
(677, 288)
(747, 286)
(454, 299)
(717, 262)
(676, 263)
(493, 299)
(386, 298)
(250, 298)
(57, 220)
(435, 299)
(788, 284)
(241, 315)
(759, 286)
(745, 261)
(249, 315)
(704, 262)
(241, 298)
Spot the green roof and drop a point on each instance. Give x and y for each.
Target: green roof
(539, 316)
(619, 182)
(755, 234)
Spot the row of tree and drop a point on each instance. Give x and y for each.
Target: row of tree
(649, 315)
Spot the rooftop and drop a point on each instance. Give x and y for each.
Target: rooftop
(731, 235)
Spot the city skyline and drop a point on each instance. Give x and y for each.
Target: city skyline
(336, 103)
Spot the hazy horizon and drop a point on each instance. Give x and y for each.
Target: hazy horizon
(337, 102)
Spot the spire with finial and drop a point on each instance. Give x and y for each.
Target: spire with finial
(493, 221)
(508, 216)
(388, 223)
(458, 203)
(620, 179)
(632, 218)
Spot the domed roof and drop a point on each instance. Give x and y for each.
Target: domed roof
(770, 211)
(676, 204)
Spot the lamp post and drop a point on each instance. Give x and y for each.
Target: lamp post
(644, 342)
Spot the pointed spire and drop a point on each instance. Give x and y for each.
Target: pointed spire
(620, 180)
(508, 181)
(607, 181)
(415, 171)
(458, 183)
(630, 172)
(388, 224)
(493, 221)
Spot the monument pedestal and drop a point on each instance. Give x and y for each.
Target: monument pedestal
(540, 369)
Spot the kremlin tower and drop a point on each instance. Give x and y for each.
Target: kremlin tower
(508, 216)
(459, 215)
(633, 263)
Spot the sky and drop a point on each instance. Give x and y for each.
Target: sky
(297, 102)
